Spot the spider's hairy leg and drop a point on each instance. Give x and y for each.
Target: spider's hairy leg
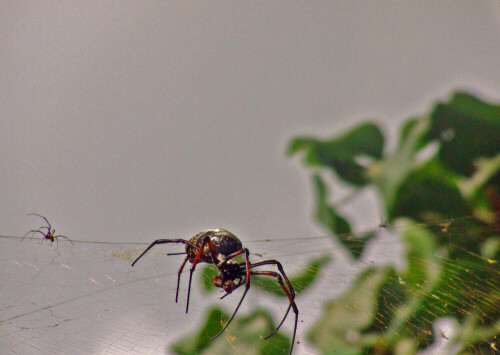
(247, 287)
(290, 298)
(195, 260)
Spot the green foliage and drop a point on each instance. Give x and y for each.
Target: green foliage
(340, 154)
(300, 282)
(207, 277)
(245, 334)
(349, 314)
(336, 224)
(467, 128)
(443, 183)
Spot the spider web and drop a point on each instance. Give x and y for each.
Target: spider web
(86, 299)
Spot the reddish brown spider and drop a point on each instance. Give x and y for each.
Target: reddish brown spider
(49, 235)
(220, 247)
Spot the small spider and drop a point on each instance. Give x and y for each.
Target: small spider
(49, 235)
(220, 247)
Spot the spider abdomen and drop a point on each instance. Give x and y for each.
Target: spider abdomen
(224, 242)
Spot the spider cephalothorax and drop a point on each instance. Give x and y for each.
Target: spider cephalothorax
(220, 247)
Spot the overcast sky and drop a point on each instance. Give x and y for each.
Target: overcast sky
(129, 121)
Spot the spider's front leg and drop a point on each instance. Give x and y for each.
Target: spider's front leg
(163, 241)
(195, 261)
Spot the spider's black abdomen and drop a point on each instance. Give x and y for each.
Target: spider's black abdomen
(224, 243)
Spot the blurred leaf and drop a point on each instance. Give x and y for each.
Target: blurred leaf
(485, 170)
(299, 282)
(490, 248)
(437, 286)
(428, 190)
(245, 334)
(207, 277)
(341, 154)
(344, 318)
(407, 129)
(193, 344)
(390, 173)
(336, 224)
(420, 256)
(423, 274)
(326, 214)
(467, 129)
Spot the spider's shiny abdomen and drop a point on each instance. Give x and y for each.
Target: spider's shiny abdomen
(224, 243)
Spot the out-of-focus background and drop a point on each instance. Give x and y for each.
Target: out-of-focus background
(127, 121)
(132, 121)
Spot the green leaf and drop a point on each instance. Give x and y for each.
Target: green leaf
(467, 129)
(337, 225)
(207, 277)
(326, 214)
(389, 174)
(428, 192)
(420, 256)
(344, 318)
(486, 169)
(245, 334)
(341, 154)
(193, 344)
(300, 282)
(440, 282)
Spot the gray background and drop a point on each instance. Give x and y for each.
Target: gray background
(129, 121)
(126, 121)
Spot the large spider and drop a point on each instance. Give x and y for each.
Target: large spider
(49, 235)
(220, 247)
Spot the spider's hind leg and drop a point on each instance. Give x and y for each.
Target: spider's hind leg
(34, 231)
(290, 298)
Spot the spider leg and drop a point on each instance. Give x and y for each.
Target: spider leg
(292, 302)
(195, 260)
(63, 236)
(247, 287)
(34, 214)
(42, 227)
(179, 277)
(34, 231)
(163, 241)
(290, 288)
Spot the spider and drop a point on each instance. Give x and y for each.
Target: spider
(220, 247)
(49, 235)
